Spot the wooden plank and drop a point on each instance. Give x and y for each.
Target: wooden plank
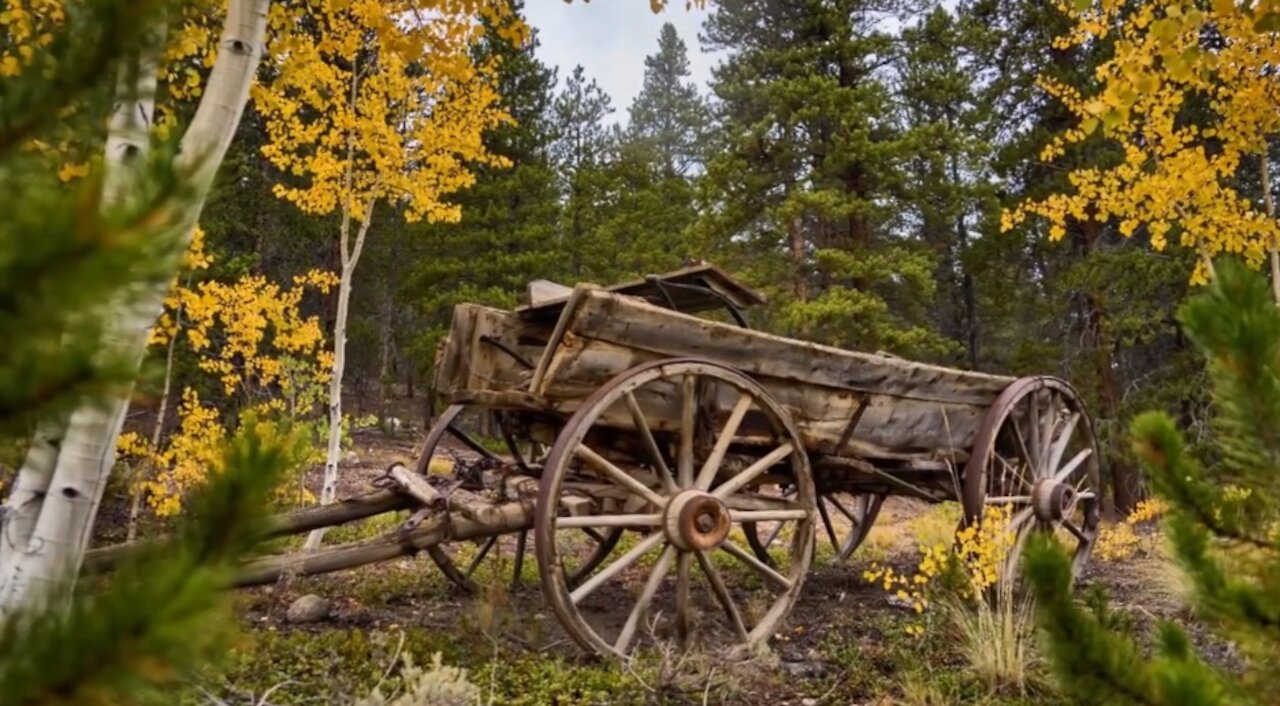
(416, 486)
(703, 274)
(544, 291)
(888, 426)
(635, 324)
(557, 335)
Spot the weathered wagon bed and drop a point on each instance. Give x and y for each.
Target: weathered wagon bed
(893, 414)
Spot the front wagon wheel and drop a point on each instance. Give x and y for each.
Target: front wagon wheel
(687, 443)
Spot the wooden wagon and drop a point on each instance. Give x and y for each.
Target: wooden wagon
(694, 465)
(694, 462)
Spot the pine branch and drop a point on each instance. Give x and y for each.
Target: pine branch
(161, 615)
(79, 60)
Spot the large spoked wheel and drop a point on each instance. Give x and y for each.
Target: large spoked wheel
(1036, 458)
(846, 520)
(463, 563)
(709, 437)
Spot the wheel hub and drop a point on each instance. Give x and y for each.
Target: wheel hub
(695, 520)
(1052, 501)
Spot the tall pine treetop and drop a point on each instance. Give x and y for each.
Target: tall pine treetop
(669, 118)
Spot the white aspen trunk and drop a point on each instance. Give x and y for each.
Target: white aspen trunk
(128, 141)
(61, 533)
(135, 502)
(329, 491)
(1269, 201)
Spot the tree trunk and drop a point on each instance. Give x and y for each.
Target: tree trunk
(65, 516)
(1126, 478)
(1269, 201)
(128, 141)
(386, 350)
(329, 490)
(795, 238)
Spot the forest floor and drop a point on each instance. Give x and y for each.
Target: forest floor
(844, 642)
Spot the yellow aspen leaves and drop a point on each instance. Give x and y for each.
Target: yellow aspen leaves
(376, 100)
(269, 360)
(1175, 180)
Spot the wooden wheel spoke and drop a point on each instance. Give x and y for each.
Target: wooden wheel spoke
(688, 407)
(773, 535)
(1022, 445)
(1072, 465)
(760, 502)
(1074, 529)
(592, 521)
(826, 523)
(650, 444)
(1020, 518)
(712, 464)
(740, 516)
(760, 567)
(849, 514)
(1047, 427)
(646, 597)
(522, 540)
(683, 621)
(1034, 414)
(617, 567)
(1007, 499)
(722, 594)
(619, 476)
(1060, 444)
(480, 555)
(753, 471)
(465, 438)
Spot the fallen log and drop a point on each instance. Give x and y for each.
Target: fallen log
(500, 519)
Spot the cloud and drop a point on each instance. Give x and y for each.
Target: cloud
(610, 39)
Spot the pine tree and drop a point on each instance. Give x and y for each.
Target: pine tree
(649, 171)
(807, 159)
(581, 153)
(947, 173)
(668, 117)
(1224, 525)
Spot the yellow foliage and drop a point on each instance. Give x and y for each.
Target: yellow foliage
(1122, 540)
(979, 551)
(380, 100)
(251, 334)
(1176, 175)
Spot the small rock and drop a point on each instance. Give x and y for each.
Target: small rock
(352, 458)
(808, 702)
(805, 670)
(308, 609)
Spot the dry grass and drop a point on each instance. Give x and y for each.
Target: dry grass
(998, 637)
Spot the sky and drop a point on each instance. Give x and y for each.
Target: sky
(610, 39)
